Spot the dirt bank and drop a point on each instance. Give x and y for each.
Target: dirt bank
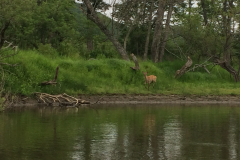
(142, 99)
(165, 99)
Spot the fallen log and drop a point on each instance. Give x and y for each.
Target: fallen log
(62, 99)
(184, 68)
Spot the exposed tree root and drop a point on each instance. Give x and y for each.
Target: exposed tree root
(61, 99)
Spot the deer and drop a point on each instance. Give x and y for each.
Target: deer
(149, 79)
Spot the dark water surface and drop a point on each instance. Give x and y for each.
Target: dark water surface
(121, 132)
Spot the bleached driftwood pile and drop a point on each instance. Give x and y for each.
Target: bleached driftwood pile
(60, 99)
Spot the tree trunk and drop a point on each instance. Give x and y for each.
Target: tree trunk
(89, 38)
(227, 32)
(2, 34)
(166, 32)
(225, 63)
(94, 18)
(148, 32)
(204, 12)
(158, 30)
(52, 82)
(127, 35)
(190, 12)
(136, 62)
(90, 44)
(130, 30)
(190, 7)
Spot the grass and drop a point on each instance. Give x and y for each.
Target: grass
(110, 76)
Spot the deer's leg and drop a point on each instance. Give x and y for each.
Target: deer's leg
(145, 85)
(153, 84)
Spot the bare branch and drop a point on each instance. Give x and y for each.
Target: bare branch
(62, 99)
(173, 54)
(203, 65)
(7, 55)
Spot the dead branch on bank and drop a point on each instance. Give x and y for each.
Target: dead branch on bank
(203, 65)
(135, 61)
(61, 99)
(184, 68)
(52, 82)
(4, 54)
(200, 66)
(98, 100)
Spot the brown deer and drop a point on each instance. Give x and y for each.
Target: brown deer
(149, 79)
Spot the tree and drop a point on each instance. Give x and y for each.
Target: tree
(53, 22)
(92, 15)
(209, 30)
(13, 13)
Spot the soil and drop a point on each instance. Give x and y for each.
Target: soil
(162, 99)
(143, 99)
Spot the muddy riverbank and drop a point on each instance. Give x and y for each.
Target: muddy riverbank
(165, 99)
(141, 99)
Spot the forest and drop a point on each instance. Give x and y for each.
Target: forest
(91, 41)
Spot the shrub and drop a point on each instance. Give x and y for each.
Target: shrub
(48, 50)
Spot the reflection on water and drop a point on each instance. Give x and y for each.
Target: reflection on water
(232, 139)
(149, 127)
(100, 148)
(121, 132)
(172, 138)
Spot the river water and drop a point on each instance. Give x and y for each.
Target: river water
(121, 132)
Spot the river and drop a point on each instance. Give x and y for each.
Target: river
(121, 132)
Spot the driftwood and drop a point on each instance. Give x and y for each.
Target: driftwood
(52, 82)
(184, 68)
(60, 99)
(135, 61)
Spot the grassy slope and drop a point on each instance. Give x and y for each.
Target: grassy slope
(110, 76)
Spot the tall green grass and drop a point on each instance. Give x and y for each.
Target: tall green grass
(110, 76)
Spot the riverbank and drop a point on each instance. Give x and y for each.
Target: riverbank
(112, 81)
(162, 99)
(139, 99)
